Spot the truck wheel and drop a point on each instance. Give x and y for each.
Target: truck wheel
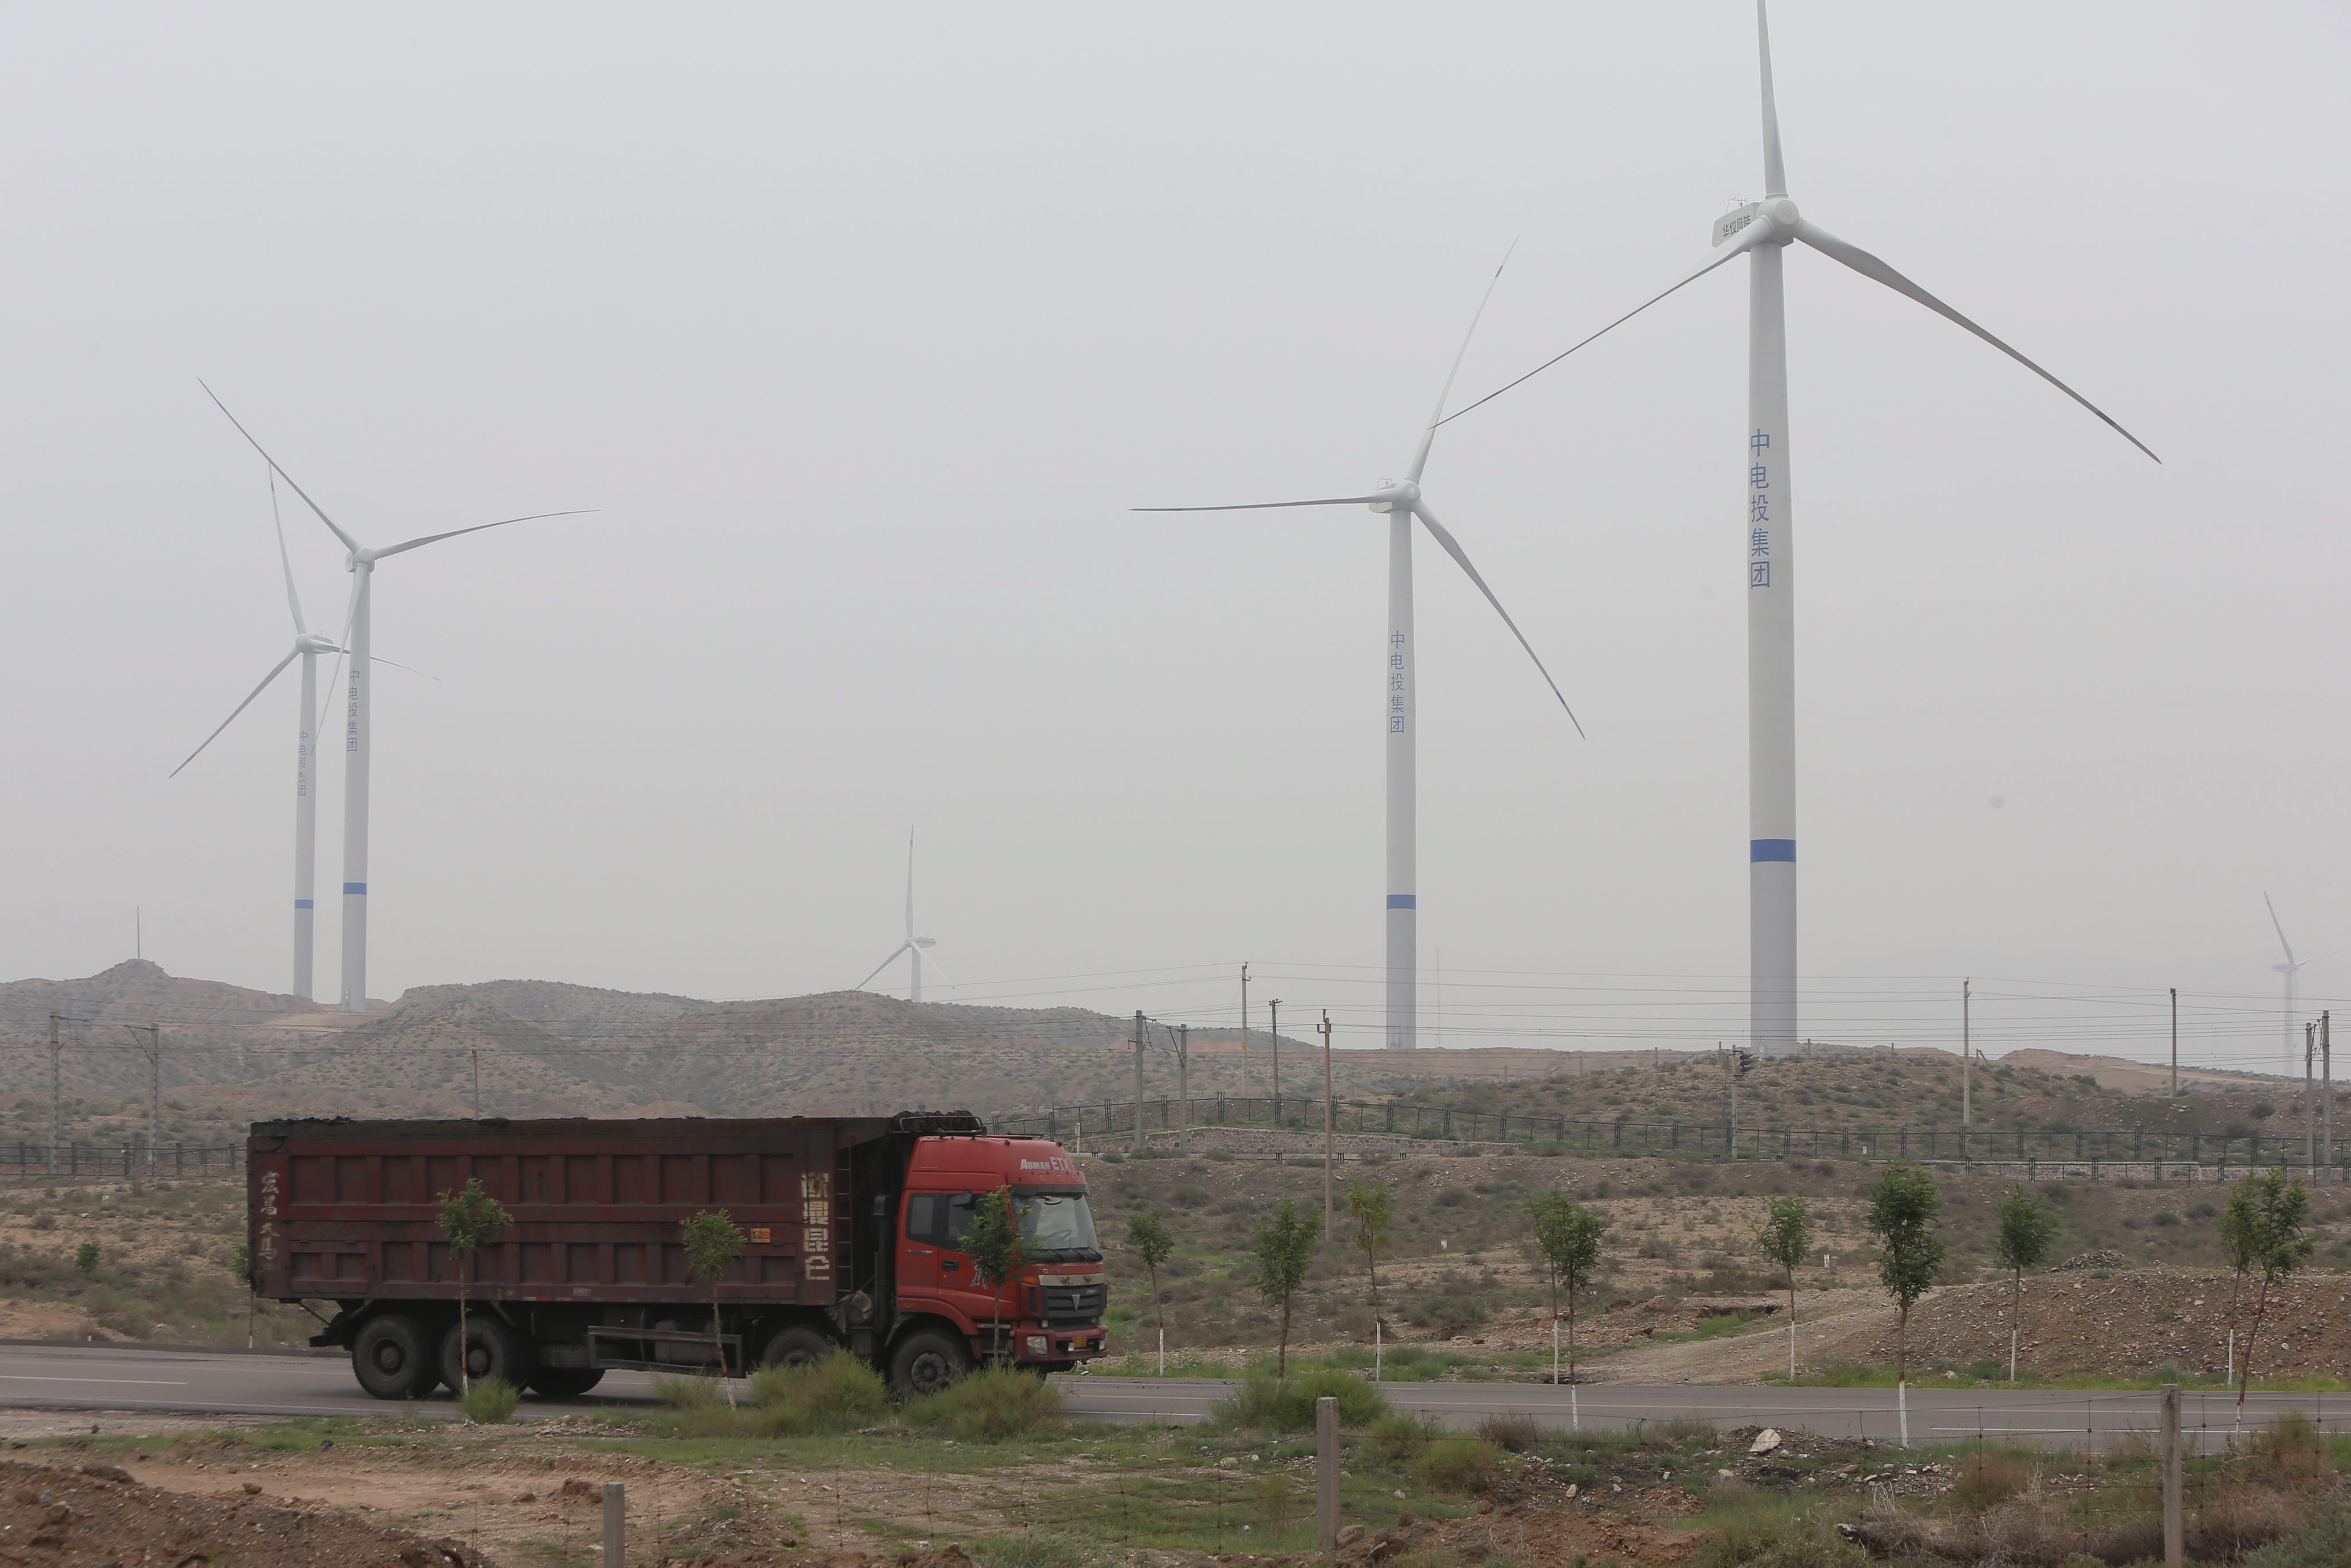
(492, 1350)
(926, 1362)
(392, 1358)
(565, 1382)
(798, 1345)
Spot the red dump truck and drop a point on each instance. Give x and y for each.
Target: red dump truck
(854, 1227)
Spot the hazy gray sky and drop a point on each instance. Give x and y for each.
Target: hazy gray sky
(863, 328)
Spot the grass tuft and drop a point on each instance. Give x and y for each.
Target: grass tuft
(1289, 1407)
(837, 1395)
(490, 1400)
(1034, 1549)
(991, 1404)
(1459, 1465)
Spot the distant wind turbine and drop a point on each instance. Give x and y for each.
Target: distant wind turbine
(915, 948)
(358, 638)
(1402, 501)
(308, 646)
(2289, 968)
(1762, 231)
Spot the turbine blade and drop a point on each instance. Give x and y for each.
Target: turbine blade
(276, 670)
(1775, 176)
(1869, 266)
(2281, 929)
(293, 599)
(1268, 505)
(1738, 246)
(349, 543)
(933, 963)
(396, 665)
(1452, 547)
(477, 527)
(909, 884)
(1437, 414)
(885, 963)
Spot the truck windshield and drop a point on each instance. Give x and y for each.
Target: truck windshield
(1054, 1225)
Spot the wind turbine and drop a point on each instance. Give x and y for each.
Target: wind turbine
(308, 646)
(1402, 501)
(916, 949)
(2289, 968)
(1762, 231)
(358, 636)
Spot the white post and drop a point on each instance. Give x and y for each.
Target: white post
(1575, 1415)
(1791, 1342)
(1162, 1353)
(1554, 1350)
(1902, 1407)
(306, 834)
(1378, 1350)
(616, 1514)
(1769, 576)
(356, 720)
(1403, 877)
(2012, 1353)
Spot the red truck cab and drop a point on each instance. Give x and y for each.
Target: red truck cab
(1048, 1316)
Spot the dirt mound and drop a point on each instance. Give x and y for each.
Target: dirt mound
(96, 1514)
(2124, 1321)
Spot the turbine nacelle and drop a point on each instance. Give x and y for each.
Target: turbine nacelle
(1391, 495)
(314, 643)
(1772, 221)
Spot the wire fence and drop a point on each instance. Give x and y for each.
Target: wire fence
(2153, 1153)
(69, 1162)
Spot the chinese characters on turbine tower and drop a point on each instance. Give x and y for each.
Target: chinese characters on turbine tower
(1396, 683)
(1758, 514)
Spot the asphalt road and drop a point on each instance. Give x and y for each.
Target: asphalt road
(113, 1378)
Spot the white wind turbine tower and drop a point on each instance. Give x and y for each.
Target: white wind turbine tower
(2289, 968)
(358, 638)
(1402, 501)
(916, 949)
(308, 646)
(1762, 231)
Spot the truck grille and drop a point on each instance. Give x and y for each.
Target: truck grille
(1075, 1304)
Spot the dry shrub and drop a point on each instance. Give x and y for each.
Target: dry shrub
(1458, 1464)
(1987, 1477)
(2290, 1451)
(2239, 1516)
(1514, 1430)
(1684, 1430)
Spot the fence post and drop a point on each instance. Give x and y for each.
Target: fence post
(616, 1517)
(2175, 1512)
(1326, 1472)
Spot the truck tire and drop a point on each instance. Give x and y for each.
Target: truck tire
(565, 1382)
(928, 1361)
(493, 1350)
(392, 1358)
(798, 1345)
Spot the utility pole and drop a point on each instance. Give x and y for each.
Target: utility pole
(2175, 1042)
(1138, 1080)
(1329, 1201)
(154, 1049)
(475, 1052)
(54, 1021)
(2326, 1090)
(1244, 1007)
(1967, 1060)
(2310, 1095)
(1184, 1087)
(1274, 1009)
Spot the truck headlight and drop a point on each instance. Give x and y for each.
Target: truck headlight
(1038, 1344)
